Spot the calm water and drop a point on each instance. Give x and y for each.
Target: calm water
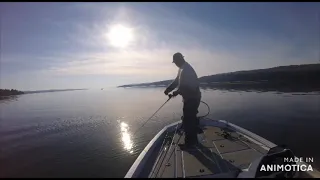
(89, 133)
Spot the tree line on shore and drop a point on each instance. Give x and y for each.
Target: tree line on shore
(305, 75)
(8, 92)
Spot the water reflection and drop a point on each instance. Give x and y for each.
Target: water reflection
(8, 99)
(126, 139)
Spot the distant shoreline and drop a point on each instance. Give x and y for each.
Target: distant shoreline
(14, 92)
(52, 90)
(286, 78)
(8, 92)
(253, 87)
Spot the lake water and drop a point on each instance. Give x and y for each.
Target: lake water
(89, 133)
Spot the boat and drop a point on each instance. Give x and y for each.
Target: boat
(225, 150)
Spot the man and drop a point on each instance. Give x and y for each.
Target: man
(188, 87)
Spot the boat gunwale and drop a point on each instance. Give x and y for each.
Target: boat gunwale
(137, 166)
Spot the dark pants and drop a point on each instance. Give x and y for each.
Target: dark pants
(190, 120)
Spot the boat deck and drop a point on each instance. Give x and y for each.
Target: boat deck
(220, 151)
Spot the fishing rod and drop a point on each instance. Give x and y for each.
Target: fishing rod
(170, 96)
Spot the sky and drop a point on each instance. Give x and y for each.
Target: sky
(104, 44)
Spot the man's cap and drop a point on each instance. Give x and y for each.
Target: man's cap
(177, 56)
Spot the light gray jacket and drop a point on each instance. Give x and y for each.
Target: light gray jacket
(187, 82)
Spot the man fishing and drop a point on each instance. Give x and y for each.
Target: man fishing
(188, 87)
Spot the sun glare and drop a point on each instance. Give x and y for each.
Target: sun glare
(126, 139)
(120, 36)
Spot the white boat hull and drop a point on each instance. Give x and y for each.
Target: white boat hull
(152, 148)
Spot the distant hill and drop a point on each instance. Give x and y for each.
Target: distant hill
(308, 74)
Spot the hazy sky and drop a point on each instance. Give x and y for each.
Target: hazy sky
(93, 45)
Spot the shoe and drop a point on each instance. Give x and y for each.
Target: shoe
(184, 146)
(187, 146)
(199, 131)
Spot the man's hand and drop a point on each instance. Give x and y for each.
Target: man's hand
(166, 92)
(175, 93)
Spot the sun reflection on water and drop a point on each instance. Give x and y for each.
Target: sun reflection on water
(126, 139)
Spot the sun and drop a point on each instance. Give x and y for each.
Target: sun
(120, 36)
